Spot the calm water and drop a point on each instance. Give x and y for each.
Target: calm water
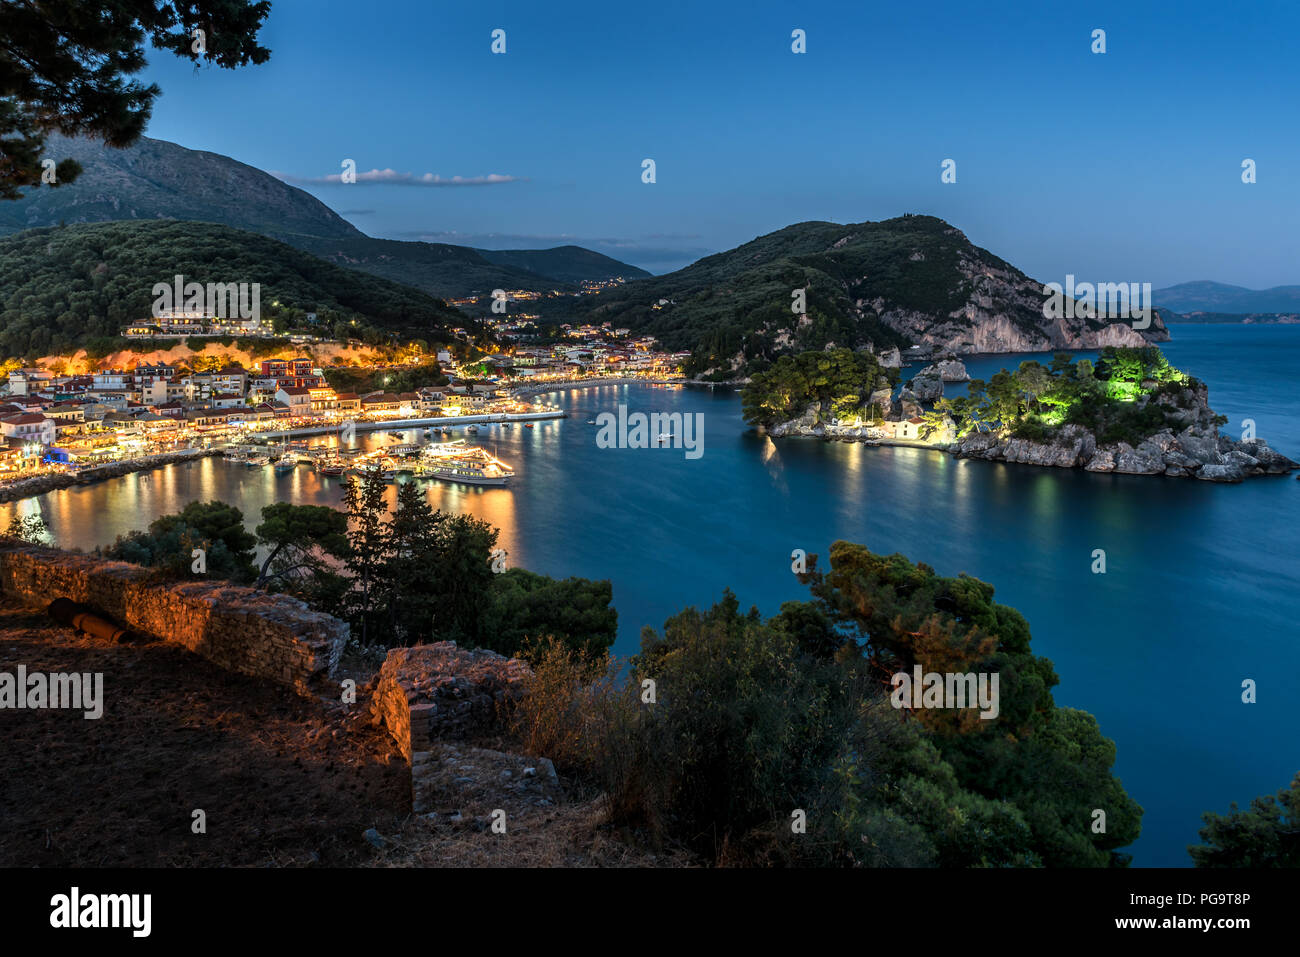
(1199, 594)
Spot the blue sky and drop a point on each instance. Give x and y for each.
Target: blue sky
(1122, 166)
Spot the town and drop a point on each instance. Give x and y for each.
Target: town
(56, 421)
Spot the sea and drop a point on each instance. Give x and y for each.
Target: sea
(1198, 596)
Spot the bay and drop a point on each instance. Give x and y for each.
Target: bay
(1199, 593)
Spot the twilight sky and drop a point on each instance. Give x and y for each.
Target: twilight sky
(1122, 166)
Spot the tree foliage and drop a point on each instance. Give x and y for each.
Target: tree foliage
(1115, 399)
(841, 380)
(1265, 835)
(66, 65)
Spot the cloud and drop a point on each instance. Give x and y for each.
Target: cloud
(391, 177)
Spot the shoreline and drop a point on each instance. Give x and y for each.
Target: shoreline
(20, 489)
(543, 388)
(1263, 462)
(403, 424)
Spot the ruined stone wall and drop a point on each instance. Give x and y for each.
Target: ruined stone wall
(433, 698)
(429, 692)
(266, 636)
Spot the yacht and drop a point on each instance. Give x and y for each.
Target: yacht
(474, 467)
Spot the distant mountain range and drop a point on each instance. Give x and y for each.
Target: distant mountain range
(1221, 298)
(159, 180)
(903, 281)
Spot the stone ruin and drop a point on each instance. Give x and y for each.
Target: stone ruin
(434, 700)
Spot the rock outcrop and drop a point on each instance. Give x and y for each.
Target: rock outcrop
(1191, 453)
(927, 385)
(949, 370)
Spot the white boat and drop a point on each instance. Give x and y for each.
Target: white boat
(472, 429)
(470, 467)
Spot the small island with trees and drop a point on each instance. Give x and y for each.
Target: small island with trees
(1129, 412)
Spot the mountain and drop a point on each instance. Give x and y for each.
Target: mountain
(155, 180)
(65, 287)
(159, 180)
(565, 263)
(898, 282)
(439, 269)
(1218, 297)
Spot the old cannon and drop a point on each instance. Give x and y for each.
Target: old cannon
(86, 620)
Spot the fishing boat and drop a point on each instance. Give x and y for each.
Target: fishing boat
(287, 462)
(256, 461)
(331, 468)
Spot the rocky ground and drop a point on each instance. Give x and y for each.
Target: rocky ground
(284, 780)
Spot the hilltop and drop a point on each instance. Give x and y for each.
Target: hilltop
(894, 283)
(1221, 298)
(63, 288)
(157, 180)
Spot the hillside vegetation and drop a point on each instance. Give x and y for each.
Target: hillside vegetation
(62, 288)
(868, 285)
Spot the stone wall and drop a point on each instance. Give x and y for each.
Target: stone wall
(434, 698)
(428, 692)
(266, 636)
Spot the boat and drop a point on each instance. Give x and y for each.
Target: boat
(472, 429)
(256, 461)
(591, 421)
(528, 425)
(398, 435)
(332, 469)
(467, 465)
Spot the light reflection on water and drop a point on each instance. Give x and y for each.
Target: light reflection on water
(1199, 592)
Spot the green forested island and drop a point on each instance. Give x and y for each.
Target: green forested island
(1130, 412)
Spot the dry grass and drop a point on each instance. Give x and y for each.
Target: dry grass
(570, 835)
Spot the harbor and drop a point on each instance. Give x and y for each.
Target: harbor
(449, 461)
